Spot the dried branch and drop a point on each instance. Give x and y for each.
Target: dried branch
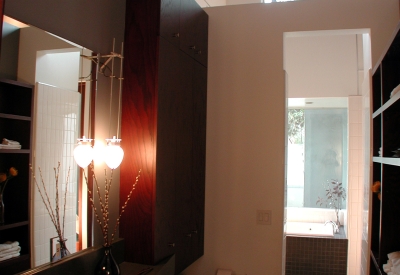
(54, 214)
(124, 206)
(65, 200)
(92, 201)
(56, 173)
(104, 221)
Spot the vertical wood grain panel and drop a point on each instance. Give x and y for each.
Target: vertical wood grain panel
(163, 133)
(139, 127)
(1, 19)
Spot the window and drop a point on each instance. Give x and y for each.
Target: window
(317, 153)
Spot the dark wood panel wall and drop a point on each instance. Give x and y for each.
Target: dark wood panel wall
(139, 127)
(1, 18)
(164, 130)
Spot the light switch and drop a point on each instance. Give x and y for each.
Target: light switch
(264, 217)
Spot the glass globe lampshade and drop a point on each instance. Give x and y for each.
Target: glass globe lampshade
(113, 153)
(83, 153)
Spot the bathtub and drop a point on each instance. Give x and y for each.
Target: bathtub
(309, 229)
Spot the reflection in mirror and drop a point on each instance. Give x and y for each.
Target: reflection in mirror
(55, 67)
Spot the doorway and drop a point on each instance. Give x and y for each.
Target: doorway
(327, 66)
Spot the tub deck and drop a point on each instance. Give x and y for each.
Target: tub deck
(309, 229)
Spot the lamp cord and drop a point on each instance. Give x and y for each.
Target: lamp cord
(111, 92)
(120, 90)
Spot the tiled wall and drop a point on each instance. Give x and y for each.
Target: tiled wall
(365, 187)
(318, 215)
(353, 219)
(355, 184)
(316, 256)
(56, 128)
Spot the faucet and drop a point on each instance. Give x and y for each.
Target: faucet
(335, 228)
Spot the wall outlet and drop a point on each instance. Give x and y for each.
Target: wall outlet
(264, 217)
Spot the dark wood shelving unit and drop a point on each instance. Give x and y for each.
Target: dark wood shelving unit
(16, 108)
(164, 129)
(15, 117)
(385, 223)
(374, 264)
(12, 225)
(13, 261)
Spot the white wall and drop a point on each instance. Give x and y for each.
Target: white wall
(331, 64)
(31, 41)
(60, 69)
(321, 64)
(245, 121)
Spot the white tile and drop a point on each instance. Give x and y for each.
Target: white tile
(355, 102)
(358, 269)
(355, 130)
(353, 182)
(351, 270)
(359, 130)
(360, 224)
(355, 116)
(355, 142)
(351, 257)
(361, 183)
(354, 156)
(354, 196)
(353, 170)
(356, 209)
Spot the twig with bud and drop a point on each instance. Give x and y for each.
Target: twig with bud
(53, 213)
(104, 204)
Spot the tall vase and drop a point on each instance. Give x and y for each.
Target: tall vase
(337, 217)
(1, 207)
(61, 252)
(107, 265)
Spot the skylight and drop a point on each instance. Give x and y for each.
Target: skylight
(272, 1)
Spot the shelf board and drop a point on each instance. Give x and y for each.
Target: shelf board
(16, 117)
(15, 151)
(389, 161)
(14, 260)
(17, 83)
(13, 225)
(387, 104)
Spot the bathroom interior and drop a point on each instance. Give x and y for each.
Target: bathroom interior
(355, 55)
(324, 105)
(317, 74)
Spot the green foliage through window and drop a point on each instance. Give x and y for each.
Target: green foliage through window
(296, 126)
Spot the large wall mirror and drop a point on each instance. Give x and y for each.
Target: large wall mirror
(63, 89)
